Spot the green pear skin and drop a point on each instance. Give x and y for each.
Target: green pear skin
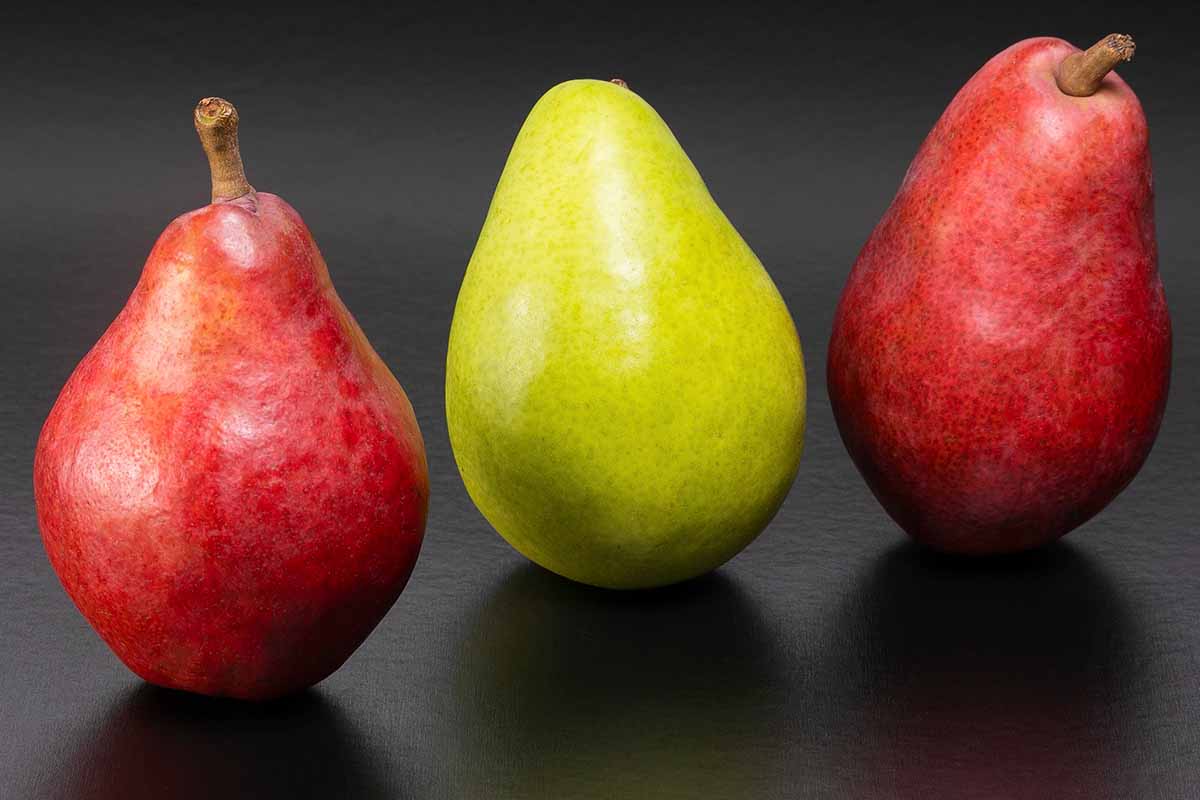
(625, 389)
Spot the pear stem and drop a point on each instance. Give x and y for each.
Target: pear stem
(217, 123)
(1080, 74)
(620, 82)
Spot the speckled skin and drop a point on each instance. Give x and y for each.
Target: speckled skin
(232, 486)
(625, 388)
(1001, 353)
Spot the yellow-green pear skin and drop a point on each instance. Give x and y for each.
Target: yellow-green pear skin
(625, 389)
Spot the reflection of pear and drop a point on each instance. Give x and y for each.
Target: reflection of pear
(1012, 677)
(625, 390)
(574, 693)
(154, 743)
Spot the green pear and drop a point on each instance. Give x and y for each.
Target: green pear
(625, 389)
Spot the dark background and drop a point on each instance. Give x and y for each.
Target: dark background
(830, 659)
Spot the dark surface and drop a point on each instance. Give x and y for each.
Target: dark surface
(830, 659)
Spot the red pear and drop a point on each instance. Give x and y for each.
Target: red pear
(232, 486)
(1001, 353)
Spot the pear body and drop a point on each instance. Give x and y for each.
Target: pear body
(625, 388)
(232, 486)
(1000, 355)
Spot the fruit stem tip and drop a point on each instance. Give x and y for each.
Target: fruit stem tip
(217, 123)
(1080, 74)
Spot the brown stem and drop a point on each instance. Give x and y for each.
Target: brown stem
(217, 124)
(1080, 74)
(620, 82)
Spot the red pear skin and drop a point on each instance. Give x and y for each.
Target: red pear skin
(232, 486)
(1001, 353)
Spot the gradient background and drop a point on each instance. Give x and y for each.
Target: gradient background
(831, 659)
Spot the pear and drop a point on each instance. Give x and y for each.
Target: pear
(232, 486)
(1001, 354)
(625, 388)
